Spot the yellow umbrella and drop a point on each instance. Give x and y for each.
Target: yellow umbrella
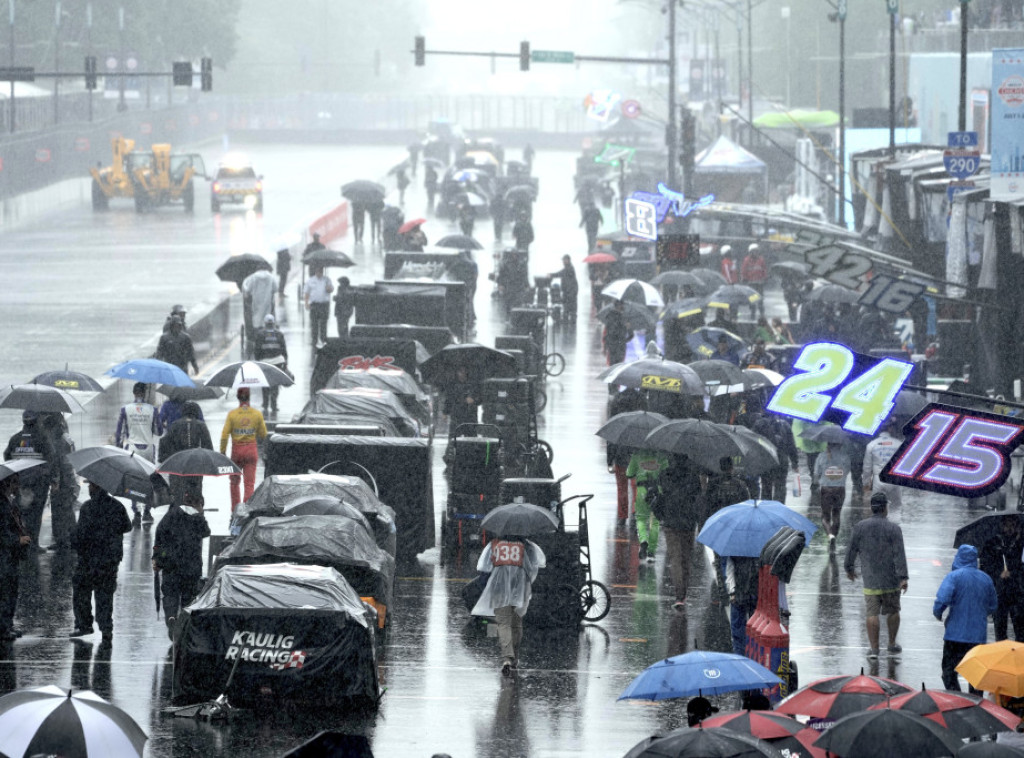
(996, 667)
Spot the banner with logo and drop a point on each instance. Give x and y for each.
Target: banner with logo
(1007, 122)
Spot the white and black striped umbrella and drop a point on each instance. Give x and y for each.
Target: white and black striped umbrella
(52, 721)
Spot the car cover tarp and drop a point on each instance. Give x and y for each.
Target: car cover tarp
(299, 634)
(363, 402)
(346, 544)
(428, 339)
(274, 493)
(425, 303)
(400, 466)
(437, 266)
(411, 395)
(363, 352)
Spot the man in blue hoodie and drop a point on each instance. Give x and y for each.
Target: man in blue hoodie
(970, 595)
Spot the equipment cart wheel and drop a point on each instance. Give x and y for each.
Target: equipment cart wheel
(595, 599)
(554, 364)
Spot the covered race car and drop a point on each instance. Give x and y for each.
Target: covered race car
(333, 406)
(289, 633)
(344, 543)
(276, 493)
(413, 398)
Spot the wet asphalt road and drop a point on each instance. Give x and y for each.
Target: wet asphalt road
(444, 692)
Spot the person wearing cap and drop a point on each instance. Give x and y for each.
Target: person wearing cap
(175, 347)
(879, 544)
(728, 265)
(344, 305)
(754, 273)
(14, 542)
(724, 351)
(98, 538)
(179, 311)
(245, 427)
(314, 245)
(270, 347)
(317, 292)
(698, 709)
(258, 291)
(39, 482)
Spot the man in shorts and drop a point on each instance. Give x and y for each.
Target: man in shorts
(879, 543)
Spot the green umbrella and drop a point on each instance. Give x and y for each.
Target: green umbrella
(797, 119)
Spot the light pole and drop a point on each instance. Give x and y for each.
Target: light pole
(893, 8)
(10, 8)
(56, 64)
(840, 16)
(121, 104)
(88, 39)
(750, 71)
(672, 131)
(785, 11)
(963, 66)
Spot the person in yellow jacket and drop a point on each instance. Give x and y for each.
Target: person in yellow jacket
(245, 426)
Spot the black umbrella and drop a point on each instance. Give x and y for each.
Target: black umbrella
(654, 374)
(756, 379)
(480, 362)
(38, 397)
(704, 442)
(988, 750)
(54, 721)
(521, 192)
(828, 433)
(238, 267)
(682, 279)
(519, 519)
(17, 465)
(832, 293)
(363, 190)
(68, 380)
(638, 315)
(630, 429)
(908, 404)
(887, 732)
(790, 270)
(713, 278)
(119, 472)
(686, 308)
(459, 242)
(986, 528)
(198, 461)
(189, 393)
(716, 373)
(731, 295)
(327, 258)
(704, 341)
(759, 454)
(697, 742)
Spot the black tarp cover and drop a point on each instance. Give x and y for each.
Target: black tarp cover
(275, 492)
(346, 544)
(363, 402)
(412, 396)
(299, 634)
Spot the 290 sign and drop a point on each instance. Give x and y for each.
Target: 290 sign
(834, 378)
(954, 451)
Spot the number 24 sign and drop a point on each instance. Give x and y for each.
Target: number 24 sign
(954, 451)
(831, 380)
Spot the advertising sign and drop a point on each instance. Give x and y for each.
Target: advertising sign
(1007, 122)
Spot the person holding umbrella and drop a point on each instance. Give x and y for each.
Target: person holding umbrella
(138, 426)
(175, 346)
(186, 433)
(1000, 558)
(14, 543)
(513, 563)
(178, 555)
(645, 466)
(245, 426)
(33, 443)
(317, 291)
(591, 220)
(98, 538)
(677, 508)
(616, 334)
(63, 499)
(270, 347)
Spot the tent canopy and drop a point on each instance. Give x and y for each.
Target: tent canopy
(724, 156)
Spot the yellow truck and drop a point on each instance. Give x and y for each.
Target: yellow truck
(151, 177)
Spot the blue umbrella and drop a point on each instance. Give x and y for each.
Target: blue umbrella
(744, 528)
(151, 371)
(704, 341)
(699, 672)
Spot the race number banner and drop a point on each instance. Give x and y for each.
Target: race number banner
(1007, 121)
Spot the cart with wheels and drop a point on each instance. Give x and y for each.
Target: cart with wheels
(475, 467)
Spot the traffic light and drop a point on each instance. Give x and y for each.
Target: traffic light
(182, 73)
(421, 51)
(90, 72)
(524, 56)
(206, 74)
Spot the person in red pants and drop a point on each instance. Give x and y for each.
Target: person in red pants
(245, 426)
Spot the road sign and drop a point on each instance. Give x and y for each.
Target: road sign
(892, 6)
(552, 56)
(630, 108)
(841, 10)
(962, 159)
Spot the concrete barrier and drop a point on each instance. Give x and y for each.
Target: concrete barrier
(20, 209)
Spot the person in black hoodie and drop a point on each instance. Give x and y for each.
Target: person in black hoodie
(187, 433)
(14, 541)
(98, 538)
(178, 555)
(678, 506)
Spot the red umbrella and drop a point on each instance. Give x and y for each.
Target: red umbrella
(782, 732)
(963, 714)
(408, 226)
(837, 696)
(600, 258)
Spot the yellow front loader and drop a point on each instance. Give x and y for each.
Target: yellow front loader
(160, 177)
(114, 180)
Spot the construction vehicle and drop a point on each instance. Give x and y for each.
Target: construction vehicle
(114, 180)
(161, 178)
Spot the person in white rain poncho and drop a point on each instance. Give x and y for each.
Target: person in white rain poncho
(259, 289)
(513, 563)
